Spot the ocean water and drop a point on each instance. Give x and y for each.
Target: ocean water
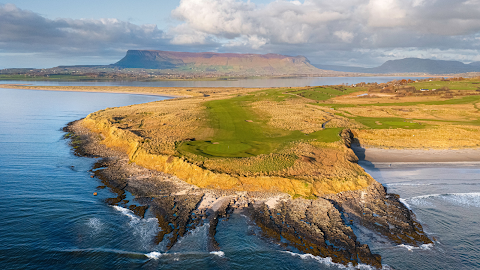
(51, 220)
(446, 200)
(261, 82)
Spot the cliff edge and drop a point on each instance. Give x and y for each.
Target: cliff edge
(216, 62)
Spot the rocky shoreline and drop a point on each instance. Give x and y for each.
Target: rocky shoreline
(321, 227)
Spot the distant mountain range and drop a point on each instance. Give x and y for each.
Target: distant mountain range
(411, 65)
(210, 64)
(217, 62)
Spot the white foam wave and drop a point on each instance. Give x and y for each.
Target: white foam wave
(412, 248)
(125, 211)
(218, 253)
(467, 199)
(405, 203)
(461, 199)
(143, 229)
(95, 224)
(329, 263)
(153, 255)
(408, 184)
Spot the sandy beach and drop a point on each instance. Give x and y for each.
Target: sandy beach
(377, 155)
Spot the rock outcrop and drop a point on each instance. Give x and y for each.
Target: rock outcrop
(324, 226)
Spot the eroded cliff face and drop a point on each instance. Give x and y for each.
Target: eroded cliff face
(323, 227)
(218, 62)
(320, 226)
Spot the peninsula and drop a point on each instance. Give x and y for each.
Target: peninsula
(281, 155)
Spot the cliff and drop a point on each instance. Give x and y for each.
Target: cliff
(216, 62)
(193, 161)
(325, 226)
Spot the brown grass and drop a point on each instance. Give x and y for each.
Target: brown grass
(148, 133)
(440, 137)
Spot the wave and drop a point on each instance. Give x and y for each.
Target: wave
(329, 263)
(460, 199)
(411, 248)
(408, 184)
(218, 253)
(144, 229)
(405, 203)
(95, 224)
(103, 250)
(154, 255)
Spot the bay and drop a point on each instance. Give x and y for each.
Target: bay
(253, 83)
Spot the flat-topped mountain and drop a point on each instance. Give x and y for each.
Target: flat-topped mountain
(412, 65)
(216, 62)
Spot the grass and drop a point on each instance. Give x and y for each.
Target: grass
(452, 101)
(453, 85)
(323, 93)
(384, 123)
(239, 132)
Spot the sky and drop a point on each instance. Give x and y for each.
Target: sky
(366, 33)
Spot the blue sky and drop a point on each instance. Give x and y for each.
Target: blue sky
(348, 32)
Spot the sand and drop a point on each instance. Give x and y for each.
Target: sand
(377, 155)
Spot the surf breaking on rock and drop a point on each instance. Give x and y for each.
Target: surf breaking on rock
(321, 227)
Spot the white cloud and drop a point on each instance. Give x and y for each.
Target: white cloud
(386, 13)
(344, 35)
(23, 31)
(340, 31)
(342, 25)
(288, 22)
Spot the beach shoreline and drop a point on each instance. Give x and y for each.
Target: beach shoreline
(379, 155)
(85, 89)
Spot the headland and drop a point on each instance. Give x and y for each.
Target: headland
(281, 155)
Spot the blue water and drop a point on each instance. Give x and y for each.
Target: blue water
(446, 201)
(51, 220)
(263, 82)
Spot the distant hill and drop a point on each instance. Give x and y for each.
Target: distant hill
(217, 62)
(412, 65)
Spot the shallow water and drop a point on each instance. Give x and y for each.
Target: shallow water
(263, 82)
(446, 200)
(51, 220)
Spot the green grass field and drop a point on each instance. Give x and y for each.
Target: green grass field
(239, 132)
(322, 93)
(453, 85)
(452, 101)
(387, 122)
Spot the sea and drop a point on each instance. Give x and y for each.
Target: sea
(51, 220)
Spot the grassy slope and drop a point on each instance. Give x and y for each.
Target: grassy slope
(269, 152)
(254, 156)
(439, 130)
(454, 85)
(322, 93)
(239, 132)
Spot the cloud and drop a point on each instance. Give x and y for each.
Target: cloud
(25, 31)
(315, 26)
(363, 32)
(278, 22)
